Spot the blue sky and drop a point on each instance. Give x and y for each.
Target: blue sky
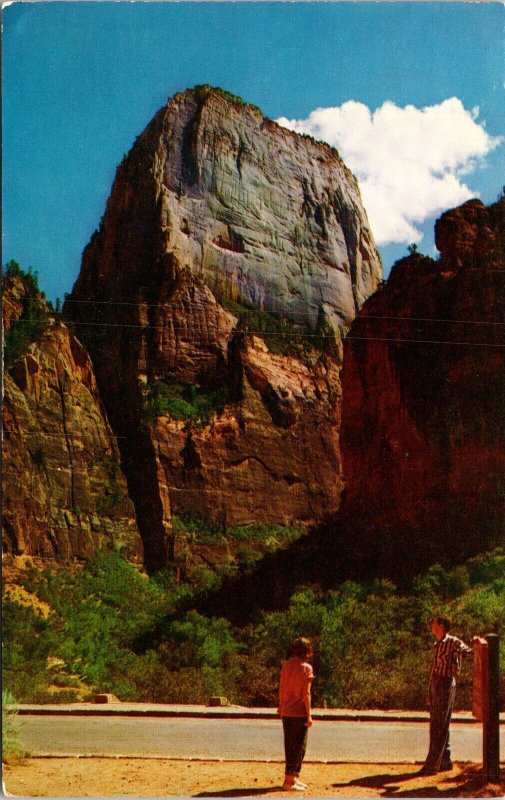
(81, 80)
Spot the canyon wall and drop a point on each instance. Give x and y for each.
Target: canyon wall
(63, 493)
(231, 256)
(247, 366)
(423, 416)
(423, 426)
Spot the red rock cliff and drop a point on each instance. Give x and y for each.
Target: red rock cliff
(231, 254)
(423, 417)
(63, 492)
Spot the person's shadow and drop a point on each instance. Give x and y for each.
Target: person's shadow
(468, 779)
(386, 781)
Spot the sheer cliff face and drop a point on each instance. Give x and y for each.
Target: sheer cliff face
(215, 215)
(63, 493)
(423, 419)
(258, 212)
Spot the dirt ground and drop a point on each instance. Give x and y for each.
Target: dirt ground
(142, 777)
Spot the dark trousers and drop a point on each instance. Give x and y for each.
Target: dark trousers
(442, 693)
(295, 743)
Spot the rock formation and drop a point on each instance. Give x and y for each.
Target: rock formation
(214, 300)
(423, 415)
(231, 254)
(64, 494)
(423, 426)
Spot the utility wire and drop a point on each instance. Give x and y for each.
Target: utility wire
(273, 313)
(180, 331)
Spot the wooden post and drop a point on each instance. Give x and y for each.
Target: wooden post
(486, 702)
(492, 728)
(480, 678)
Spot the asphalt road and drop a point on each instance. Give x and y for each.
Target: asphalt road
(228, 739)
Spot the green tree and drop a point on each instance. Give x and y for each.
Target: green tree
(33, 319)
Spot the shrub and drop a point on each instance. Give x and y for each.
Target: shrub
(99, 614)
(198, 528)
(208, 645)
(247, 556)
(123, 633)
(268, 537)
(284, 337)
(184, 402)
(203, 90)
(29, 640)
(33, 319)
(10, 724)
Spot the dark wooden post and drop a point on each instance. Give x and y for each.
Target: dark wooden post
(492, 718)
(480, 678)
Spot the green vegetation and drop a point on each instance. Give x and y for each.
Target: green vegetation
(196, 404)
(118, 631)
(10, 724)
(233, 549)
(202, 90)
(202, 532)
(33, 319)
(112, 493)
(282, 336)
(29, 642)
(188, 402)
(98, 630)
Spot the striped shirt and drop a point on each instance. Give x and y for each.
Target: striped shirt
(447, 656)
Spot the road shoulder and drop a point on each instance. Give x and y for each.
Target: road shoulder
(127, 777)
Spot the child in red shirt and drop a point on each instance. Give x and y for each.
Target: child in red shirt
(295, 710)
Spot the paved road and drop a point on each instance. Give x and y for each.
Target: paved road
(259, 740)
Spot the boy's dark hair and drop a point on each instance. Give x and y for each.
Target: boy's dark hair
(302, 648)
(443, 621)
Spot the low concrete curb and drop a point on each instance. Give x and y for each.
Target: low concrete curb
(229, 712)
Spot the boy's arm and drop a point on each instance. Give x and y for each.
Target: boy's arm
(465, 650)
(428, 695)
(308, 703)
(280, 692)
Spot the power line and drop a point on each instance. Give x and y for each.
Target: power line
(45, 433)
(423, 341)
(304, 335)
(272, 312)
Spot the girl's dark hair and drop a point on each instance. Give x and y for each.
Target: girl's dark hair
(444, 622)
(302, 648)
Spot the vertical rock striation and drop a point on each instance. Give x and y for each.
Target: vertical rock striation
(220, 222)
(63, 492)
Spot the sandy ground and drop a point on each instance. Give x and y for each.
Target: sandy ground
(127, 777)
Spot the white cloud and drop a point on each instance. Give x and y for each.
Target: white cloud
(409, 161)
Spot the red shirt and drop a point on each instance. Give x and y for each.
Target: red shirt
(296, 678)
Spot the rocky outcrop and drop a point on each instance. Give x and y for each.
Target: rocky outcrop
(423, 427)
(423, 417)
(271, 457)
(64, 494)
(222, 227)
